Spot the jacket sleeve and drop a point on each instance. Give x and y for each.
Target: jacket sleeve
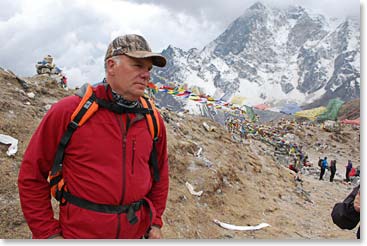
(34, 190)
(344, 214)
(159, 192)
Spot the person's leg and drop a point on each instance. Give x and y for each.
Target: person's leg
(332, 176)
(347, 175)
(322, 173)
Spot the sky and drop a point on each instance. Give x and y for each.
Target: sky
(76, 32)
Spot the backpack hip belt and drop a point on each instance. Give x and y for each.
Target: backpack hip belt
(129, 209)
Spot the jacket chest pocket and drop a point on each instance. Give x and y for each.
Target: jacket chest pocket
(140, 149)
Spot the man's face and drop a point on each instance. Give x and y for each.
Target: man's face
(129, 76)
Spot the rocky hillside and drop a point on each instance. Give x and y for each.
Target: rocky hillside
(242, 182)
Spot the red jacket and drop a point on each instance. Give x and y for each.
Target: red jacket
(103, 163)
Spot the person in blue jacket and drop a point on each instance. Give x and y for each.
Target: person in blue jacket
(324, 165)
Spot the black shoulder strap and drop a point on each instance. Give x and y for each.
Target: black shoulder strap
(79, 113)
(121, 110)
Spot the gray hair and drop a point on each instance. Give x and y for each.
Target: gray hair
(115, 59)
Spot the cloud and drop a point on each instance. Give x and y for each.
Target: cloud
(333, 8)
(76, 32)
(59, 28)
(226, 11)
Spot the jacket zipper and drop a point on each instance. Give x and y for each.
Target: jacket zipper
(124, 133)
(133, 160)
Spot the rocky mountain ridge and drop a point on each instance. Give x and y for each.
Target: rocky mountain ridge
(270, 55)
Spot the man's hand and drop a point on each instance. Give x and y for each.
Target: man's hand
(155, 233)
(357, 204)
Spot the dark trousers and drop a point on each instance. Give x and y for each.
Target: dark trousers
(332, 175)
(322, 173)
(347, 175)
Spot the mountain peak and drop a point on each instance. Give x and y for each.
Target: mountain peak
(269, 55)
(257, 6)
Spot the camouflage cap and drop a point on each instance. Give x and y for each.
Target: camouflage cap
(134, 46)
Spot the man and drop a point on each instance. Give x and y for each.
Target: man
(332, 170)
(348, 169)
(346, 214)
(324, 166)
(106, 162)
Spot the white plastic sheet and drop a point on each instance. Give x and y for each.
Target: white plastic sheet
(13, 148)
(240, 228)
(192, 191)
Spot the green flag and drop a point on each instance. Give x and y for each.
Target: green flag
(332, 110)
(250, 113)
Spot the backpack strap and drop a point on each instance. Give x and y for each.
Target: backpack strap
(154, 128)
(152, 117)
(86, 108)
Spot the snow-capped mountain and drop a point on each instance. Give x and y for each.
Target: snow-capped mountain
(270, 55)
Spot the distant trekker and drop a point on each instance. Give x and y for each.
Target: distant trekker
(332, 169)
(348, 168)
(324, 165)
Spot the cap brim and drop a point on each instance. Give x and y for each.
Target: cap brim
(157, 59)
